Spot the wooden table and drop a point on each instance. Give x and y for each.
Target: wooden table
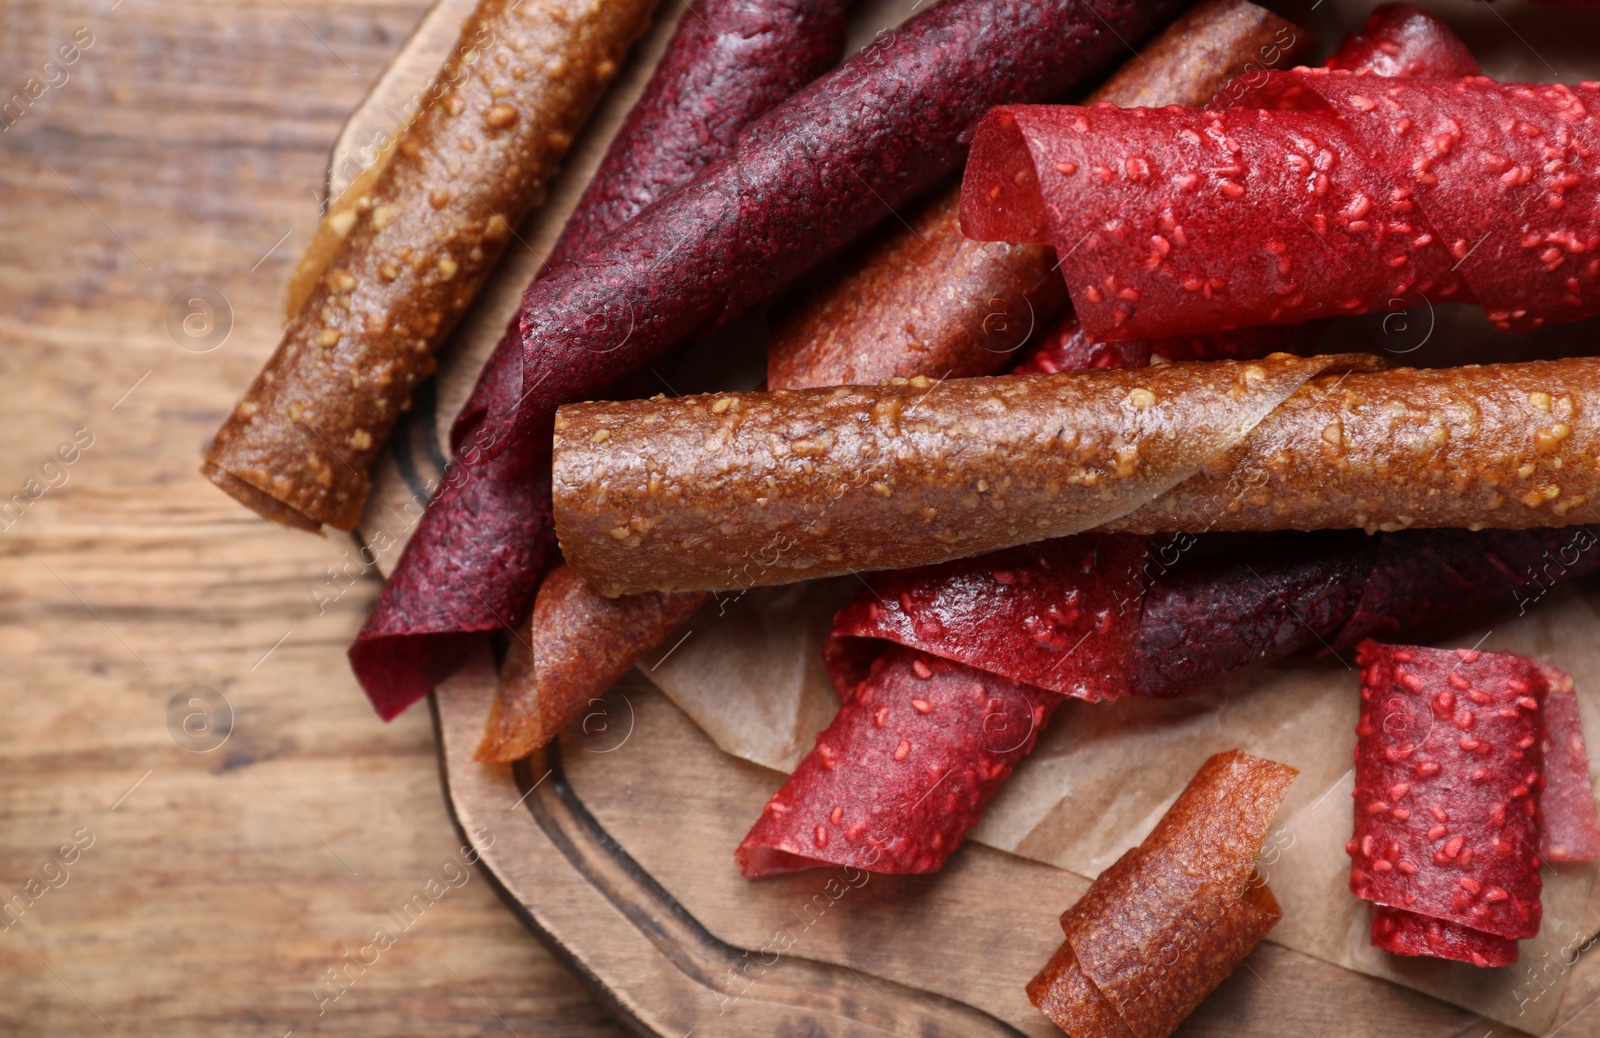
(185, 147)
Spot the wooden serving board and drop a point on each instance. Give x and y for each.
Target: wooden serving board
(615, 846)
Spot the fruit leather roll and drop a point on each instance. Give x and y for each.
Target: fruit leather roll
(809, 176)
(923, 740)
(913, 303)
(475, 559)
(1173, 917)
(1449, 771)
(1318, 193)
(738, 490)
(1327, 591)
(1399, 39)
(463, 174)
(926, 300)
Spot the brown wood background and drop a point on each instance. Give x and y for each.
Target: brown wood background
(183, 145)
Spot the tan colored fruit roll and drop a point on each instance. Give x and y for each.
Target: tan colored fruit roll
(738, 490)
(465, 172)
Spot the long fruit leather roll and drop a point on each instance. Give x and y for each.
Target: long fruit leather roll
(739, 490)
(1450, 772)
(1173, 917)
(925, 299)
(463, 174)
(806, 178)
(1319, 193)
(476, 556)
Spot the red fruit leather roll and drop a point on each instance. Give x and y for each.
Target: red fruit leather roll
(907, 766)
(1172, 918)
(923, 741)
(1060, 615)
(1401, 40)
(1449, 767)
(1320, 193)
(815, 172)
(475, 559)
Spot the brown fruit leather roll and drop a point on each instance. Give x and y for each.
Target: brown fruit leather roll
(926, 300)
(466, 171)
(1173, 917)
(738, 490)
(573, 647)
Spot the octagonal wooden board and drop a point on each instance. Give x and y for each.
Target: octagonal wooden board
(615, 846)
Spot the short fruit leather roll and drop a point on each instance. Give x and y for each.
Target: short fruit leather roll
(1173, 917)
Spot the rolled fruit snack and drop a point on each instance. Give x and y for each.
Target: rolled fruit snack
(464, 173)
(925, 299)
(803, 180)
(1325, 592)
(1287, 595)
(1173, 917)
(1278, 443)
(880, 129)
(473, 563)
(1449, 769)
(1436, 189)
(922, 741)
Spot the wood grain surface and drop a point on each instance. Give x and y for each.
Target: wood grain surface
(187, 145)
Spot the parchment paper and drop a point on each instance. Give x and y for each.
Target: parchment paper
(750, 673)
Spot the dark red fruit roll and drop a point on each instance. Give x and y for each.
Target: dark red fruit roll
(809, 176)
(474, 562)
(1424, 578)
(1449, 770)
(1273, 597)
(729, 62)
(942, 696)
(1320, 193)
